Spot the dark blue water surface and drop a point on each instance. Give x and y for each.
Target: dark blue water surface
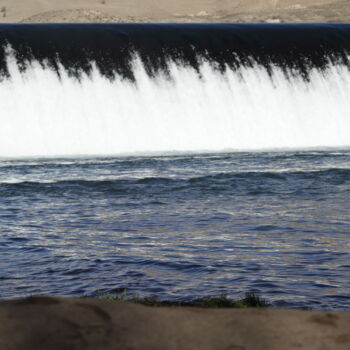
(179, 227)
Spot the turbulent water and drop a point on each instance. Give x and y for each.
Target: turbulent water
(207, 112)
(179, 227)
(176, 161)
(72, 90)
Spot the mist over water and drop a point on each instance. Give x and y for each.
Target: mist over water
(186, 111)
(176, 161)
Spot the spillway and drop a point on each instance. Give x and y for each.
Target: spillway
(239, 174)
(114, 89)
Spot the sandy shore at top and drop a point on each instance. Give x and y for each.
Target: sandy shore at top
(52, 323)
(175, 11)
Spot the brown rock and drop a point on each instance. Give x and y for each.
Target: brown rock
(57, 324)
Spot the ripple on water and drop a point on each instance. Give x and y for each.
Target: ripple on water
(180, 227)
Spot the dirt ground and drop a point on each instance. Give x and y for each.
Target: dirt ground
(175, 11)
(89, 324)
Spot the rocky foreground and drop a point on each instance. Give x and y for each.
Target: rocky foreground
(56, 324)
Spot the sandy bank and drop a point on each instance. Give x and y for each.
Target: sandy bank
(175, 11)
(51, 323)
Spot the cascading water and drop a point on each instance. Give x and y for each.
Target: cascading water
(174, 217)
(222, 89)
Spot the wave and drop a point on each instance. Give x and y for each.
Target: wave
(217, 178)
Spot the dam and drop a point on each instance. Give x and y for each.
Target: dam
(176, 160)
(145, 89)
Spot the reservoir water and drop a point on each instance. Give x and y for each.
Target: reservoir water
(176, 161)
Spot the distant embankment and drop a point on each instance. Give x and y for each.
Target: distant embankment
(274, 11)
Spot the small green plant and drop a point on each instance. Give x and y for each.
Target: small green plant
(250, 300)
(253, 300)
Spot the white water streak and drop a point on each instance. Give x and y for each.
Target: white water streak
(44, 116)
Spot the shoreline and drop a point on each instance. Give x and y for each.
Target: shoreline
(66, 323)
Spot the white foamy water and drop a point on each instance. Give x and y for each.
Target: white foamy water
(42, 115)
